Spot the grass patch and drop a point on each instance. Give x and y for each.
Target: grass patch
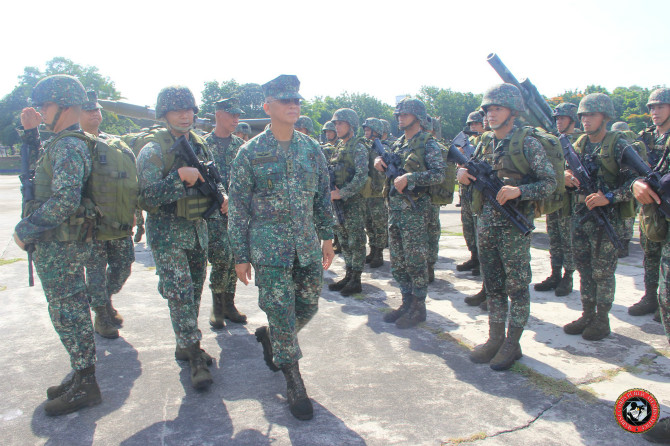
(551, 386)
(446, 232)
(151, 268)
(474, 437)
(359, 296)
(8, 261)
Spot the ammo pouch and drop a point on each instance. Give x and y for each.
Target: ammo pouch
(653, 223)
(193, 205)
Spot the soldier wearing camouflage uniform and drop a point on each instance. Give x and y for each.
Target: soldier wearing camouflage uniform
(387, 137)
(657, 137)
(350, 164)
(243, 131)
(628, 223)
(329, 140)
(176, 231)
(305, 125)
(111, 260)
(279, 210)
(408, 240)
(504, 252)
(376, 213)
(559, 223)
(61, 243)
(222, 279)
(595, 255)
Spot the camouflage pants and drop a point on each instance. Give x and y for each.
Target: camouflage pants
(352, 234)
(434, 231)
(504, 254)
(596, 259)
(108, 268)
(628, 228)
(181, 275)
(651, 262)
(60, 267)
(290, 298)
(408, 243)
(376, 222)
(468, 221)
(222, 278)
(559, 230)
(664, 291)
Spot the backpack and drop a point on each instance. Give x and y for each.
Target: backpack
(443, 193)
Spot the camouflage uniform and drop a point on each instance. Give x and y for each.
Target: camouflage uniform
(376, 213)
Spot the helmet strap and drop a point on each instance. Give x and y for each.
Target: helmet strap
(52, 125)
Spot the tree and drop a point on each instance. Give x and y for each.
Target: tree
(250, 95)
(451, 107)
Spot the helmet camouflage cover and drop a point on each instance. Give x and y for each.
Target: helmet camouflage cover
(413, 107)
(475, 116)
(63, 90)
(566, 109)
(305, 122)
(505, 95)
(347, 115)
(174, 97)
(386, 126)
(659, 96)
(243, 127)
(597, 103)
(375, 125)
(620, 126)
(328, 126)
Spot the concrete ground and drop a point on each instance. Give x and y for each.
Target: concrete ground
(370, 382)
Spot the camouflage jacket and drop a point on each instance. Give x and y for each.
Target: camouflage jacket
(223, 156)
(654, 143)
(279, 202)
(357, 154)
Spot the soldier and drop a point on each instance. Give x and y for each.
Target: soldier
(280, 208)
(559, 223)
(655, 138)
(111, 256)
(376, 214)
(243, 131)
(329, 139)
(176, 231)
(387, 137)
(629, 223)
(60, 242)
(408, 240)
(305, 125)
(222, 279)
(504, 252)
(350, 163)
(595, 255)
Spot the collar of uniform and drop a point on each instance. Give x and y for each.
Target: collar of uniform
(272, 140)
(73, 128)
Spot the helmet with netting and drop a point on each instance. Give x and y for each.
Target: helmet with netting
(566, 109)
(329, 125)
(375, 125)
(414, 107)
(174, 97)
(347, 115)
(597, 103)
(475, 116)
(61, 89)
(504, 95)
(305, 122)
(659, 96)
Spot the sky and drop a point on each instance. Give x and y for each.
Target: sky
(382, 48)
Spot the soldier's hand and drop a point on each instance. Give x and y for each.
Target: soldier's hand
(328, 253)
(189, 175)
(30, 118)
(644, 193)
(570, 180)
(400, 182)
(507, 193)
(380, 165)
(596, 200)
(224, 206)
(20, 243)
(335, 194)
(464, 177)
(243, 271)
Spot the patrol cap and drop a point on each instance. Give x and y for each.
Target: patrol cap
(284, 86)
(92, 103)
(230, 105)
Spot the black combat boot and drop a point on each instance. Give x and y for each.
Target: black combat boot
(510, 350)
(378, 258)
(82, 392)
(577, 326)
(564, 286)
(229, 310)
(647, 305)
(181, 354)
(337, 286)
(431, 272)
(599, 328)
(485, 352)
(414, 316)
(394, 315)
(263, 336)
(103, 324)
(298, 401)
(368, 258)
(660, 433)
(54, 392)
(550, 282)
(468, 264)
(139, 232)
(201, 378)
(353, 286)
(657, 315)
(476, 299)
(114, 315)
(216, 317)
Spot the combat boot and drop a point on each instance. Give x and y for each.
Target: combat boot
(599, 328)
(54, 392)
(550, 282)
(229, 310)
(577, 326)
(564, 286)
(216, 317)
(647, 305)
(201, 378)
(263, 336)
(477, 270)
(298, 401)
(394, 315)
(476, 299)
(657, 315)
(82, 392)
(368, 258)
(485, 352)
(103, 324)
(660, 433)
(114, 315)
(181, 354)
(510, 350)
(378, 258)
(337, 286)
(138, 234)
(431, 272)
(414, 316)
(353, 286)
(468, 264)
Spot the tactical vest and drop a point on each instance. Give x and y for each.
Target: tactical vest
(654, 154)
(443, 193)
(193, 205)
(374, 185)
(343, 161)
(414, 160)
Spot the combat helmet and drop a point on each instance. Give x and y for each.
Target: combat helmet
(329, 125)
(504, 95)
(347, 115)
(243, 127)
(174, 97)
(305, 122)
(475, 116)
(61, 89)
(597, 103)
(659, 96)
(620, 126)
(386, 126)
(413, 107)
(566, 109)
(375, 125)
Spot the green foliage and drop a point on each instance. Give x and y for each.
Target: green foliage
(321, 109)
(452, 107)
(250, 95)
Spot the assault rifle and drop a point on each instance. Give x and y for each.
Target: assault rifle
(210, 187)
(393, 170)
(337, 204)
(488, 184)
(461, 140)
(588, 186)
(27, 178)
(632, 159)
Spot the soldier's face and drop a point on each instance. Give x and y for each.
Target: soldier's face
(342, 128)
(591, 121)
(563, 123)
(497, 115)
(180, 119)
(330, 135)
(282, 111)
(659, 113)
(406, 120)
(368, 132)
(228, 121)
(476, 127)
(90, 119)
